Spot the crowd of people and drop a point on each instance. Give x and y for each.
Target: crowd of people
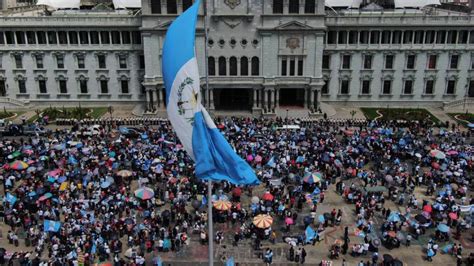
(74, 198)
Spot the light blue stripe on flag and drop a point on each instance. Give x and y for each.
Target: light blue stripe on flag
(215, 159)
(230, 262)
(51, 226)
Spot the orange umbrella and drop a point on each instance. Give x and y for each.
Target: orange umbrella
(222, 205)
(263, 221)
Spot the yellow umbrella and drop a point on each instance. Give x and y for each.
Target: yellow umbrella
(222, 205)
(124, 173)
(263, 221)
(63, 186)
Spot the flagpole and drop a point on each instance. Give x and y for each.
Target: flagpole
(209, 182)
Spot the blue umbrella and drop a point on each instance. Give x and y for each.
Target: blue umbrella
(105, 184)
(32, 194)
(321, 218)
(443, 228)
(470, 125)
(394, 217)
(62, 179)
(112, 154)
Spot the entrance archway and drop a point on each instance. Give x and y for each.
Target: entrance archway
(292, 97)
(233, 99)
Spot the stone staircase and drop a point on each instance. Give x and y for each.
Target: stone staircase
(13, 103)
(459, 104)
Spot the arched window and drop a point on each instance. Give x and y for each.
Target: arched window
(222, 66)
(171, 7)
(294, 7)
(244, 66)
(187, 4)
(233, 66)
(277, 6)
(156, 6)
(211, 66)
(255, 66)
(309, 7)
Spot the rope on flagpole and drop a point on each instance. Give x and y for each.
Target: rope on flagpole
(210, 234)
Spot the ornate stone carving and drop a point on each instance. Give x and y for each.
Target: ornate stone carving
(232, 3)
(232, 23)
(293, 43)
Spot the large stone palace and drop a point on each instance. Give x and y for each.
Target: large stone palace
(263, 54)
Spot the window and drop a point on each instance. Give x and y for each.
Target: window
(20, 37)
(60, 61)
(3, 89)
(367, 61)
(300, 67)
(233, 66)
(255, 66)
(411, 61)
(101, 60)
(408, 87)
(408, 37)
(62, 37)
(136, 37)
(294, 6)
(353, 37)
(463, 35)
(41, 37)
(345, 86)
(365, 87)
(419, 35)
(80, 61)
(18, 61)
(364, 37)
(211, 66)
(430, 36)
(389, 61)
(374, 37)
(72, 37)
(332, 37)
(104, 86)
(432, 59)
(171, 7)
(309, 6)
(42, 86)
(126, 37)
(277, 6)
(62, 86)
(2, 39)
(244, 66)
(396, 37)
(124, 86)
(292, 66)
(52, 38)
(222, 66)
(284, 66)
(451, 87)
(84, 37)
(115, 37)
(104, 37)
(386, 37)
(429, 86)
(21, 86)
(187, 4)
(39, 61)
(10, 38)
(156, 6)
(342, 37)
(30, 37)
(141, 59)
(387, 87)
(122, 61)
(326, 61)
(441, 37)
(94, 37)
(83, 86)
(453, 63)
(346, 61)
(325, 88)
(452, 36)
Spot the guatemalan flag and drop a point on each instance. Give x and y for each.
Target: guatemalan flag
(214, 157)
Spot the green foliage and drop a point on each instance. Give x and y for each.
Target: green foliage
(407, 114)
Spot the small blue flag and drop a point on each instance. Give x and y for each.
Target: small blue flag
(300, 159)
(10, 198)
(310, 234)
(51, 226)
(72, 160)
(230, 262)
(271, 162)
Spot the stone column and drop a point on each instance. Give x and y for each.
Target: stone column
(163, 97)
(147, 104)
(254, 105)
(311, 99)
(272, 100)
(318, 97)
(211, 99)
(305, 97)
(158, 98)
(264, 99)
(151, 99)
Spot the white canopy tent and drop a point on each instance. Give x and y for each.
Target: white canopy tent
(124, 4)
(61, 4)
(343, 3)
(415, 3)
